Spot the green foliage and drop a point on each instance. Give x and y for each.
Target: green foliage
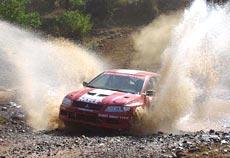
(15, 11)
(78, 2)
(71, 17)
(74, 22)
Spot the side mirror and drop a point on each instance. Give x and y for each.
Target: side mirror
(84, 84)
(150, 93)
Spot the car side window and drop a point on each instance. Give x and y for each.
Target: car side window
(151, 84)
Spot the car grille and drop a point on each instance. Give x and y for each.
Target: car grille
(89, 118)
(79, 117)
(85, 105)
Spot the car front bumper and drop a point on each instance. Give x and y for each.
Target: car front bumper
(117, 121)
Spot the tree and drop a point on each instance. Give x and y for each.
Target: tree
(74, 22)
(15, 11)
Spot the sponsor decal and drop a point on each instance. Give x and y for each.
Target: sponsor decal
(113, 116)
(124, 117)
(100, 94)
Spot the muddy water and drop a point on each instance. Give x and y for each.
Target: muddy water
(193, 91)
(45, 71)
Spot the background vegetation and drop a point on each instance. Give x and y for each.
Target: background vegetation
(75, 18)
(15, 11)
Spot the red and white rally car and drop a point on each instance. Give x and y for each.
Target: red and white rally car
(114, 99)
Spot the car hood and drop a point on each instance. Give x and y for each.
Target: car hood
(102, 96)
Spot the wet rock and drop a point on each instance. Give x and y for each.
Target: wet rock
(211, 131)
(101, 145)
(13, 104)
(167, 156)
(205, 137)
(215, 138)
(160, 133)
(225, 151)
(205, 153)
(76, 142)
(18, 116)
(224, 142)
(96, 144)
(193, 149)
(141, 147)
(180, 153)
(174, 154)
(4, 108)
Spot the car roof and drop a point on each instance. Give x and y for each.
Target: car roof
(133, 72)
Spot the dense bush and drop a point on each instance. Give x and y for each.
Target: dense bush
(15, 11)
(74, 22)
(77, 2)
(73, 4)
(65, 18)
(74, 18)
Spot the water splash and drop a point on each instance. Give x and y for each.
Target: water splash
(46, 70)
(195, 76)
(151, 41)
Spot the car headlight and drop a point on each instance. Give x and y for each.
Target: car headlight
(117, 109)
(67, 102)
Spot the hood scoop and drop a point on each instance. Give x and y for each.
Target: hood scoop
(90, 93)
(96, 94)
(103, 95)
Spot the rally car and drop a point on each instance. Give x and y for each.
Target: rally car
(114, 99)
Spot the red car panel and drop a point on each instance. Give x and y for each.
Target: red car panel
(88, 105)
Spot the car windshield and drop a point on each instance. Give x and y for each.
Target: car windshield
(116, 82)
